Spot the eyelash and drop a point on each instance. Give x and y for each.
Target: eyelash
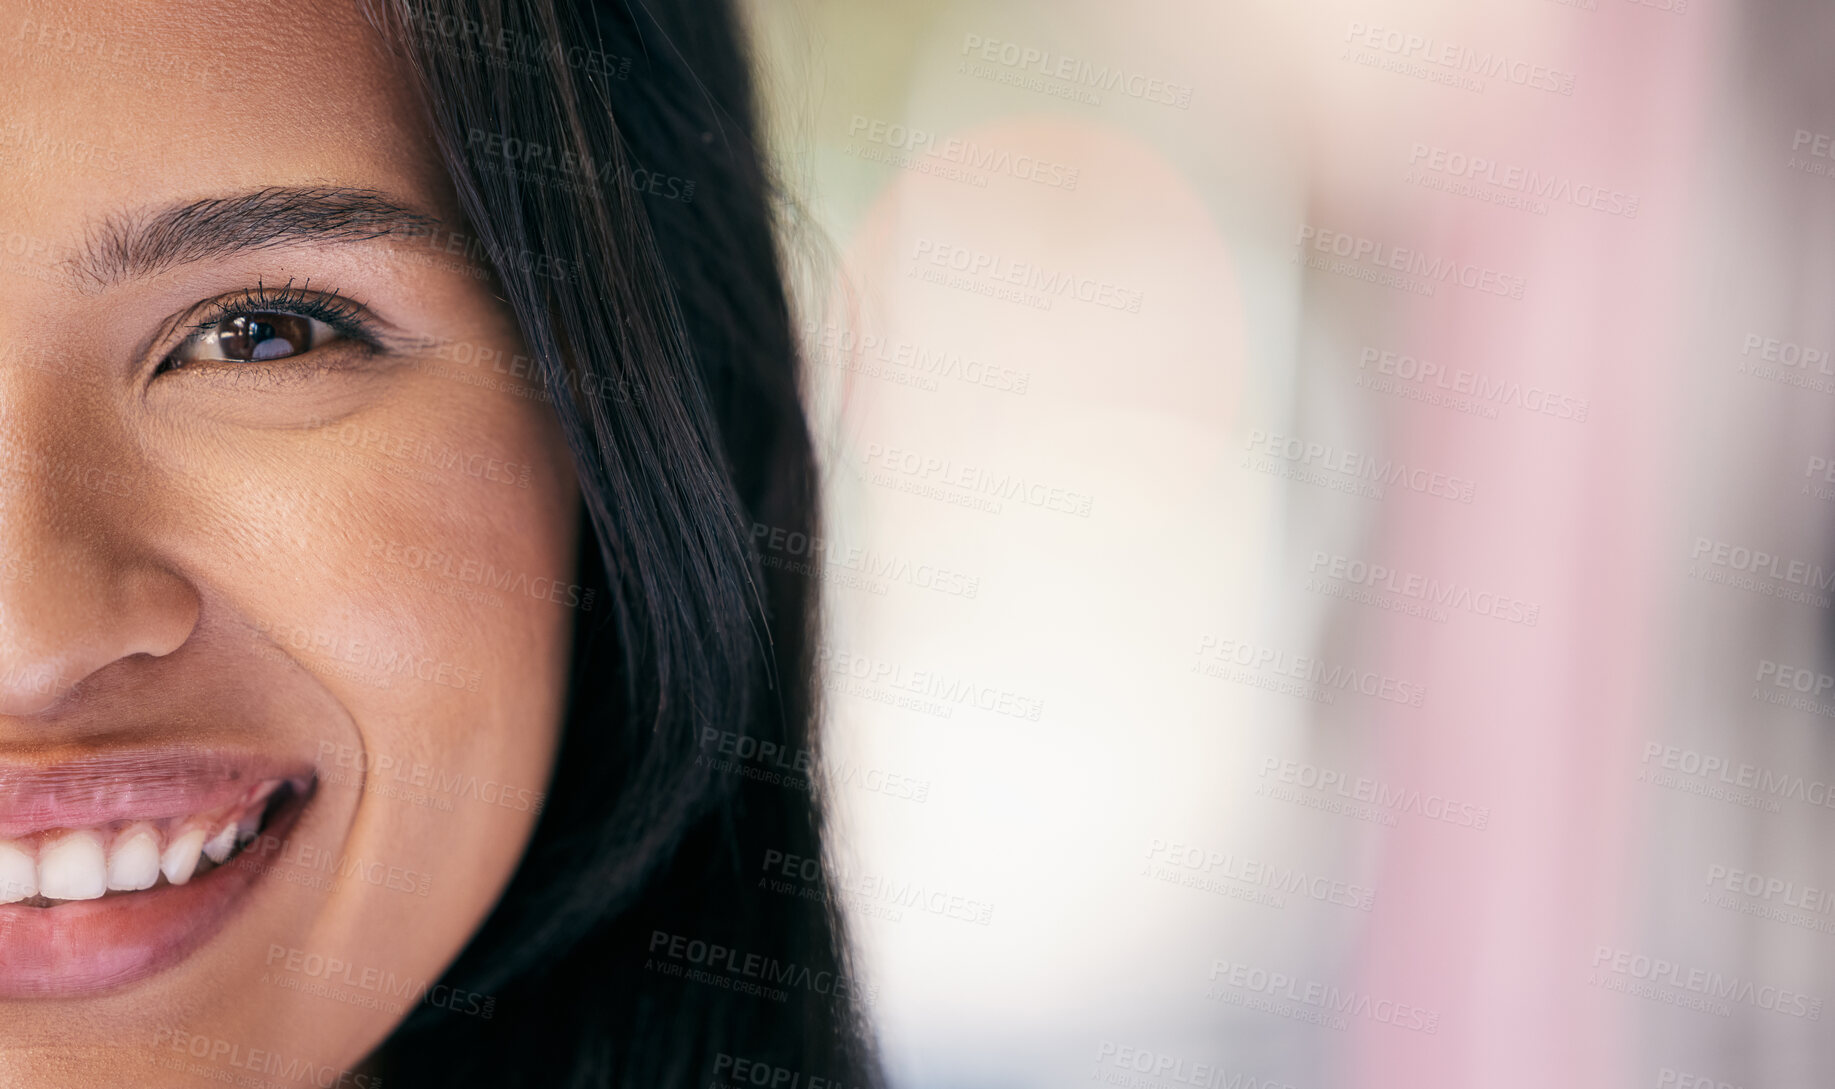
(337, 311)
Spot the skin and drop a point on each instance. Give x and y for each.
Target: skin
(258, 519)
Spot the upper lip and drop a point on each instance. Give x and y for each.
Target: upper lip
(137, 784)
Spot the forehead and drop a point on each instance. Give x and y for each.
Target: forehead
(107, 105)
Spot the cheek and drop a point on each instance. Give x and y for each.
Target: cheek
(418, 564)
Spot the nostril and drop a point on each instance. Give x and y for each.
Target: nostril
(162, 611)
(31, 688)
(54, 636)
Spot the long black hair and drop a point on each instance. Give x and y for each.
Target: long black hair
(606, 156)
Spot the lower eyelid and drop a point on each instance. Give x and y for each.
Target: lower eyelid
(342, 355)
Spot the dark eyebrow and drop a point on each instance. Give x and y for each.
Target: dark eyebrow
(146, 243)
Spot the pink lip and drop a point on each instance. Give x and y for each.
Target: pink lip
(144, 784)
(87, 947)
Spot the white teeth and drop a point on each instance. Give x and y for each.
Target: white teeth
(127, 855)
(134, 863)
(18, 872)
(73, 867)
(222, 843)
(181, 858)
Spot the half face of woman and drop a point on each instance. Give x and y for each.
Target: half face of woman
(286, 551)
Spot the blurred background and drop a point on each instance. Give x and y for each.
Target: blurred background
(1328, 534)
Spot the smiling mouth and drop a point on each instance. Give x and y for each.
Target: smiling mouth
(116, 867)
(123, 857)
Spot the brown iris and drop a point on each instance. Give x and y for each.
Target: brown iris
(263, 336)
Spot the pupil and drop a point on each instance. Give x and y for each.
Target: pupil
(257, 337)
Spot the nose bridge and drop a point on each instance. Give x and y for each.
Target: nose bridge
(76, 590)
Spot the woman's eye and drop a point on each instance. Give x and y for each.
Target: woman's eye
(254, 337)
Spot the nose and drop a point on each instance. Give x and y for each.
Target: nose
(77, 593)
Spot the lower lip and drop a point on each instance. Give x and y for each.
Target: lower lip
(87, 947)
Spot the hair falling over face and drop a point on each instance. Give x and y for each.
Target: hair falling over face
(643, 873)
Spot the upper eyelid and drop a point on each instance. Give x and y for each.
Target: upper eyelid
(198, 318)
(250, 300)
(215, 316)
